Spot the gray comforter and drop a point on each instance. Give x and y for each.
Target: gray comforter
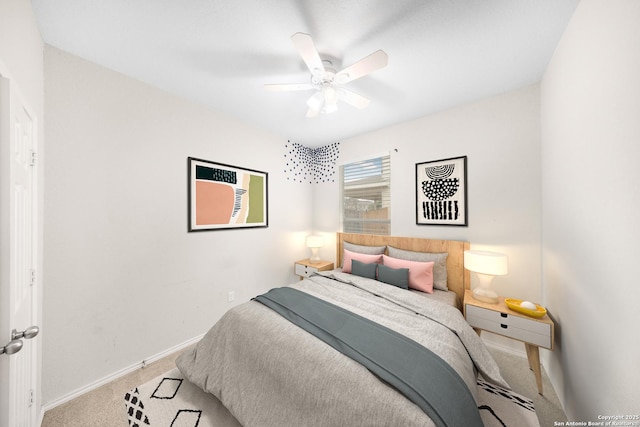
(269, 372)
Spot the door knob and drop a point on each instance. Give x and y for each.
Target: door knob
(14, 346)
(27, 334)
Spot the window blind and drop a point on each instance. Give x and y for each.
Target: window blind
(366, 196)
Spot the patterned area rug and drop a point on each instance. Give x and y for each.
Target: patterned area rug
(170, 400)
(501, 407)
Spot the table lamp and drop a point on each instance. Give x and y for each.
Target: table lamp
(314, 243)
(486, 265)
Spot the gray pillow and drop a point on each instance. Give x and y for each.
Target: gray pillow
(363, 249)
(363, 269)
(439, 266)
(394, 276)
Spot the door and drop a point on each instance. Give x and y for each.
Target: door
(18, 258)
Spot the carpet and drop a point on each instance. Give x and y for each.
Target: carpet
(172, 401)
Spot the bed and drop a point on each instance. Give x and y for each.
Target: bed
(342, 348)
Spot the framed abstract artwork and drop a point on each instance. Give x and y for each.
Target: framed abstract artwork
(224, 196)
(441, 192)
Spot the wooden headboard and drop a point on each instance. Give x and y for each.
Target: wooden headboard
(458, 279)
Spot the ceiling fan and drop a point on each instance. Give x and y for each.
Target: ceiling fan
(327, 82)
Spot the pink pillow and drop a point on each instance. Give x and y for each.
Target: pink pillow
(348, 256)
(420, 273)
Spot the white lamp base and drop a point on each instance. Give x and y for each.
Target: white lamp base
(484, 292)
(314, 255)
(485, 295)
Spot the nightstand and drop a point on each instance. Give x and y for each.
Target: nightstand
(498, 318)
(305, 268)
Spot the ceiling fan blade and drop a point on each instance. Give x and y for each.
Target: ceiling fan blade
(288, 87)
(366, 65)
(353, 98)
(304, 43)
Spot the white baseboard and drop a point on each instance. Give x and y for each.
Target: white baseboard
(114, 376)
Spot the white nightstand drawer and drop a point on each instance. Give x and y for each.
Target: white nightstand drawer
(508, 319)
(527, 330)
(304, 270)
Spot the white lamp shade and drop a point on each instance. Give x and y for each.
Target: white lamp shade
(486, 262)
(314, 241)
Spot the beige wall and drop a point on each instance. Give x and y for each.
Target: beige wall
(125, 281)
(21, 49)
(590, 176)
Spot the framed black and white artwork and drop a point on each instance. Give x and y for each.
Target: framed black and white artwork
(441, 192)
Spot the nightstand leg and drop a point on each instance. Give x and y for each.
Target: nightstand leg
(528, 348)
(533, 355)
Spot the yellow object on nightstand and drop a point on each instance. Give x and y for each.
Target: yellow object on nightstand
(514, 304)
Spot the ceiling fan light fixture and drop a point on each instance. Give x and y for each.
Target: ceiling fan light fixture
(330, 95)
(329, 108)
(316, 101)
(327, 81)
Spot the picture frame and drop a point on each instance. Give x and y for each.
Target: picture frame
(441, 192)
(223, 196)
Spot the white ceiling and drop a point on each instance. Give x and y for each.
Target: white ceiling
(220, 53)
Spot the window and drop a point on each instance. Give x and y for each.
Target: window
(366, 196)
